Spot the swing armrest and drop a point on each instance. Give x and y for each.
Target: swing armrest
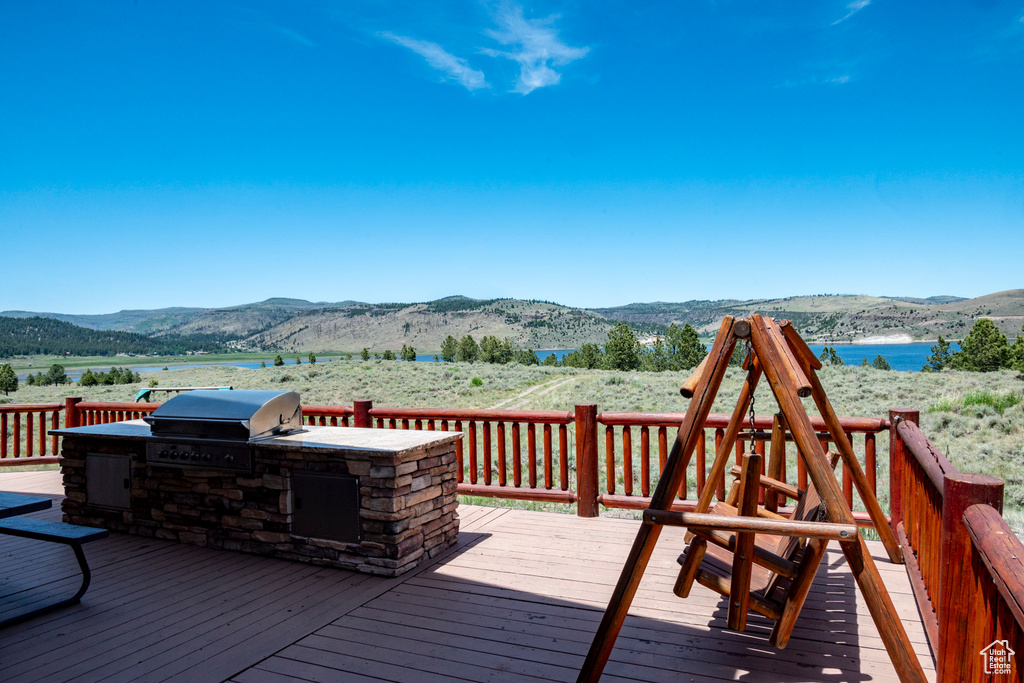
(775, 485)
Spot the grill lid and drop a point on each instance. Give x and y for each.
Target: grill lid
(236, 415)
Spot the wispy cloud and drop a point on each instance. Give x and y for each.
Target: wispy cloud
(829, 80)
(535, 45)
(851, 9)
(454, 68)
(294, 36)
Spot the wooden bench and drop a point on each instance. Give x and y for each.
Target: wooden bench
(53, 532)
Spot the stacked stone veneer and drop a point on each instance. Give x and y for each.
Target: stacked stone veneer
(407, 502)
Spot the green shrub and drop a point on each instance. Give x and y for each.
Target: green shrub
(998, 402)
(476, 382)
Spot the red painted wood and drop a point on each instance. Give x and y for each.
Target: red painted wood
(487, 451)
(609, 458)
(548, 473)
(586, 460)
(501, 454)
(645, 462)
(627, 461)
(531, 454)
(563, 457)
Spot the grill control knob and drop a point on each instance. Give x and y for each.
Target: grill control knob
(195, 456)
(174, 455)
(206, 457)
(229, 458)
(163, 454)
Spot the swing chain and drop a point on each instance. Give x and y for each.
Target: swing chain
(750, 355)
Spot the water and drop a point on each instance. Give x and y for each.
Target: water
(900, 356)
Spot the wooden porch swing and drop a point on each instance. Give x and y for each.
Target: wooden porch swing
(760, 560)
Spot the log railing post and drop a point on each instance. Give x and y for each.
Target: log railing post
(361, 414)
(586, 460)
(962, 622)
(71, 415)
(896, 457)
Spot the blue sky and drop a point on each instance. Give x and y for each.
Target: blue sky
(592, 153)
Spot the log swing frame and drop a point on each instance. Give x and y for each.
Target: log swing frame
(778, 353)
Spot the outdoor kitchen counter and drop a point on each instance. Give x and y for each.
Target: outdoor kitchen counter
(372, 500)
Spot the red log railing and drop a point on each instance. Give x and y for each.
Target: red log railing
(522, 454)
(98, 412)
(23, 435)
(929, 499)
(633, 465)
(326, 416)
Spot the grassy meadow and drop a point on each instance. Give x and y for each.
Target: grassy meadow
(977, 418)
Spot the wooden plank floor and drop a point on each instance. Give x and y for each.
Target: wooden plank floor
(518, 599)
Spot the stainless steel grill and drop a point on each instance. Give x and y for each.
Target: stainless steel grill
(215, 429)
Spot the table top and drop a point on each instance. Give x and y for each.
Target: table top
(12, 504)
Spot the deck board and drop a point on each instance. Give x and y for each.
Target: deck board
(519, 599)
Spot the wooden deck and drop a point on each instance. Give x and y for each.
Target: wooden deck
(519, 598)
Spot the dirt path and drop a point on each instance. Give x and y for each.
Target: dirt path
(545, 388)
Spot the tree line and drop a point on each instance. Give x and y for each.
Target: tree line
(681, 349)
(47, 336)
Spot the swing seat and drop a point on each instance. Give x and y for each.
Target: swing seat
(779, 569)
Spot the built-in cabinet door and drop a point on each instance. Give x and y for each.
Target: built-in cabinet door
(325, 506)
(108, 480)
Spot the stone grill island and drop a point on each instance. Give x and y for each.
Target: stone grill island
(370, 500)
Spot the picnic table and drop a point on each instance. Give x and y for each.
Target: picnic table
(12, 505)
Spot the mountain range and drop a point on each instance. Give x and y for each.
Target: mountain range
(298, 325)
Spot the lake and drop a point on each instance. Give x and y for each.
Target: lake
(900, 356)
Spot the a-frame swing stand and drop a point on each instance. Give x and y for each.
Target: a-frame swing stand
(777, 352)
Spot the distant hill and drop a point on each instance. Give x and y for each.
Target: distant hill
(298, 325)
(52, 337)
(845, 318)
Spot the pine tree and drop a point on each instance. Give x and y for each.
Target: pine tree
(449, 349)
(941, 355)
(365, 355)
(56, 375)
(1017, 352)
(622, 352)
(881, 363)
(278, 361)
(468, 350)
(984, 349)
(312, 358)
(8, 380)
(527, 357)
